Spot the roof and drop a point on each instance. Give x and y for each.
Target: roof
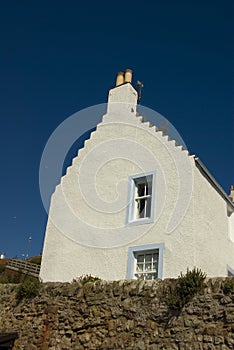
(205, 172)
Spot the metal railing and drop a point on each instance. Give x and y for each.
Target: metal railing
(24, 267)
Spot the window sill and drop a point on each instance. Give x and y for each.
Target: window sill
(140, 221)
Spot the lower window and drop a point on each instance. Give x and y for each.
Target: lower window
(146, 267)
(145, 262)
(230, 271)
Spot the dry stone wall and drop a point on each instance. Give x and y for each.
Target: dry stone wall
(117, 315)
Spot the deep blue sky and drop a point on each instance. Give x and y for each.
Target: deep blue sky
(58, 57)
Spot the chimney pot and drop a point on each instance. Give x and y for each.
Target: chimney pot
(128, 76)
(119, 78)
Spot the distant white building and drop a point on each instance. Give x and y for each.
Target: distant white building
(3, 255)
(133, 204)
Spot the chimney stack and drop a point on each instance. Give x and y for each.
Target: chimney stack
(124, 77)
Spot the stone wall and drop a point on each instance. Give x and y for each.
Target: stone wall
(117, 315)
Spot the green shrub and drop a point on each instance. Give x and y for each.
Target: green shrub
(185, 288)
(228, 286)
(173, 299)
(86, 278)
(29, 288)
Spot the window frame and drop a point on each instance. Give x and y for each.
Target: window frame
(131, 199)
(131, 262)
(230, 271)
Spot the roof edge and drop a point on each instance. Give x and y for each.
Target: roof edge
(205, 172)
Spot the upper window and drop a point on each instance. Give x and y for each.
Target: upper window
(141, 198)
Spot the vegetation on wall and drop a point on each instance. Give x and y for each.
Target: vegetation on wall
(29, 288)
(228, 287)
(86, 278)
(185, 288)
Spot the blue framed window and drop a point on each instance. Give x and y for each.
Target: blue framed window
(230, 271)
(145, 262)
(141, 198)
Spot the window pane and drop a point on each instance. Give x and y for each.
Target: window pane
(148, 207)
(148, 258)
(140, 267)
(149, 276)
(140, 258)
(148, 267)
(155, 256)
(141, 189)
(141, 208)
(140, 276)
(149, 185)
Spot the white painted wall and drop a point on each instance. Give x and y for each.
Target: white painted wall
(231, 227)
(87, 232)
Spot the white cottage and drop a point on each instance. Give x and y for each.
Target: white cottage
(134, 204)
